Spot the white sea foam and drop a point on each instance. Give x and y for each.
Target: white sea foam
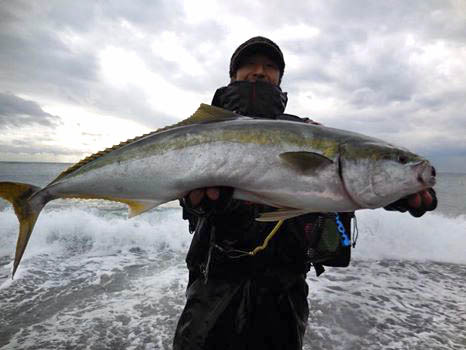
(134, 313)
(393, 235)
(92, 278)
(382, 234)
(62, 228)
(93, 240)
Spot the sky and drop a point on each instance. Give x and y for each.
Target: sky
(79, 76)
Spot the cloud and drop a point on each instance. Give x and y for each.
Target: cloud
(57, 50)
(393, 70)
(21, 146)
(18, 112)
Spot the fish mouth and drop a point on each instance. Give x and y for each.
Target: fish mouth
(426, 174)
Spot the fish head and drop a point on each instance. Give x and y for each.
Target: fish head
(376, 174)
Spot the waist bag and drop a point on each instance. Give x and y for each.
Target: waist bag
(330, 241)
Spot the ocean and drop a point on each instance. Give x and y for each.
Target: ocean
(92, 279)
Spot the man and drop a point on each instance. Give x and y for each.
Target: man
(234, 300)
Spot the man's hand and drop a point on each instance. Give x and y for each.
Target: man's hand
(417, 204)
(421, 199)
(196, 196)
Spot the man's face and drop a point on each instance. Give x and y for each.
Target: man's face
(258, 67)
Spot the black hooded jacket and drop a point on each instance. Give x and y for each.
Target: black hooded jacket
(234, 220)
(235, 301)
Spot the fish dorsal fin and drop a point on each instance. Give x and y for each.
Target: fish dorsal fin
(281, 214)
(305, 161)
(208, 113)
(205, 113)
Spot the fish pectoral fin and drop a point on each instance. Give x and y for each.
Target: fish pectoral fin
(281, 214)
(305, 161)
(139, 206)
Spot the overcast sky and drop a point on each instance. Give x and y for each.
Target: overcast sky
(79, 76)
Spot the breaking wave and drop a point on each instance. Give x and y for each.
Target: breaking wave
(382, 234)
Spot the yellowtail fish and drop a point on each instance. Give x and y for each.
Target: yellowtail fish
(295, 167)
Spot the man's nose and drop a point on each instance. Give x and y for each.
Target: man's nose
(259, 70)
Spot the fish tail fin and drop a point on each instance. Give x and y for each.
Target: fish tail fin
(27, 211)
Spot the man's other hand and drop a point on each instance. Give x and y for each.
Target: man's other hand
(417, 204)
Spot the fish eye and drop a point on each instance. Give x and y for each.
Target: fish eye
(402, 158)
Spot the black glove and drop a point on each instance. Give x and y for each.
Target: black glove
(402, 205)
(208, 206)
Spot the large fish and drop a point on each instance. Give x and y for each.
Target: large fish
(296, 167)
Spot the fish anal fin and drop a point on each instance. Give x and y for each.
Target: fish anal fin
(281, 214)
(136, 206)
(139, 206)
(304, 161)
